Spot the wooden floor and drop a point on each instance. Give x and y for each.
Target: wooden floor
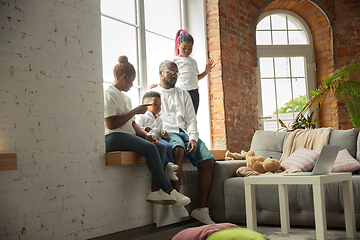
(166, 233)
(151, 232)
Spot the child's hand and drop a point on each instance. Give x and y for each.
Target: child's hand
(153, 86)
(147, 129)
(141, 109)
(210, 64)
(151, 138)
(165, 134)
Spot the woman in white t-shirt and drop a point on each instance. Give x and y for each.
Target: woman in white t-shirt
(123, 134)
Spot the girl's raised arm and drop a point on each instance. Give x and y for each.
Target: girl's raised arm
(209, 66)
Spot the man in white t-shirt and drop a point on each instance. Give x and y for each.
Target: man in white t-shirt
(179, 120)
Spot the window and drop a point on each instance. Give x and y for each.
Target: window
(280, 29)
(119, 36)
(285, 67)
(145, 33)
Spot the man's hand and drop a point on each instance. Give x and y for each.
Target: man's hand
(165, 134)
(151, 138)
(147, 129)
(154, 85)
(141, 109)
(192, 146)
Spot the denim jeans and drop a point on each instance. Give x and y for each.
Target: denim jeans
(169, 151)
(154, 155)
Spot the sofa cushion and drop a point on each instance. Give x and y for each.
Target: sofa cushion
(345, 162)
(268, 143)
(345, 139)
(302, 159)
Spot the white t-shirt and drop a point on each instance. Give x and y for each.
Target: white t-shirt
(188, 69)
(148, 120)
(117, 103)
(177, 111)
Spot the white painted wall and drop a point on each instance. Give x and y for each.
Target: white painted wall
(51, 115)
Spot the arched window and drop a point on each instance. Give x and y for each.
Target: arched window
(286, 68)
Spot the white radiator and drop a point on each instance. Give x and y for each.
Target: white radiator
(163, 214)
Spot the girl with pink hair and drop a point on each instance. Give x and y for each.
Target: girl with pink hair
(188, 70)
(187, 66)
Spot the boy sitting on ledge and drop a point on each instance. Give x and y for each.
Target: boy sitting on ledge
(151, 122)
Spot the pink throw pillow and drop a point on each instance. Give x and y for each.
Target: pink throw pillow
(302, 159)
(345, 162)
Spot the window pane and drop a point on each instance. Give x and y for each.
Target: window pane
(279, 38)
(278, 22)
(134, 95)
(123, 10)
(114, 45)
(264, 24)
(282, 67)
(283, 91)
(266, 68)
(268, 97)
(297, 37)
(106, 85)
(297, 67)
(158, 49)
(163, 17)
(263, 38)
(299, 87)
(293, 24)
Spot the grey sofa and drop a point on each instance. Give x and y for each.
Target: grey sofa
(227, 197)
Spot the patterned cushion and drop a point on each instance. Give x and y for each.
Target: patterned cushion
(345, 162)
(302, 159)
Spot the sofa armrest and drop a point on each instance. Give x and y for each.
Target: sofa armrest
(216, 200)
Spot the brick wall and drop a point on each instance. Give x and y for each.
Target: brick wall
(235, 87)
(51, 115)
(346, 45)
(216, 88)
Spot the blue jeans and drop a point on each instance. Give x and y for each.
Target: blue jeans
(154, 155)
(169, 155)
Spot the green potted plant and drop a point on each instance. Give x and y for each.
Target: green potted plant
(339, 84)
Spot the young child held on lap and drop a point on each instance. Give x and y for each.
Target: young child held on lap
(151, 122)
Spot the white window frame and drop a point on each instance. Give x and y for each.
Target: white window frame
(189, 12)
(288, 51)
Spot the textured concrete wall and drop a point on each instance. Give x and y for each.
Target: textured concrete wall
(51, 115)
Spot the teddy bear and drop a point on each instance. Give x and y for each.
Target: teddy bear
(235, 156)
(260, 165)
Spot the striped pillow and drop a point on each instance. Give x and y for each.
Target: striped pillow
(302, 159)
(345, 162)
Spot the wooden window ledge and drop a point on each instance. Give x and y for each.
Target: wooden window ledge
(8, 161)
(131, 158)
